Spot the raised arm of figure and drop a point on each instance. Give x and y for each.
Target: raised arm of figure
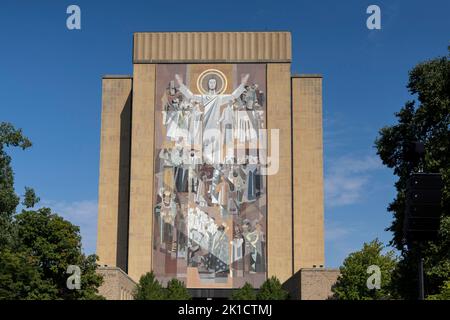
(239, 90)
(185, 91)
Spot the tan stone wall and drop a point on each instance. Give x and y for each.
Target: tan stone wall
(279, 213)
(114, 172)
(117, 285)
(288, 249)
(307, 171)
(142, 168)
(316, 284)
(219, 47)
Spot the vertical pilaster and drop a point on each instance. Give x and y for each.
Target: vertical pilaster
(279, 192)
(142, 170)
(113, 190)
(307, 171)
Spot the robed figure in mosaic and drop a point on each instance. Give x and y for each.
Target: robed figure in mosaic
(210, 216)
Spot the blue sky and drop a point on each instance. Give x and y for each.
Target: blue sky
(50, 85)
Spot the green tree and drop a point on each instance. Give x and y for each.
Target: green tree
(444, 294)
(9, 137)
(246, 292)
(54, 244)
(176, 290)
(425, 119)
(30, 199)
(20, 278)
(352, 282)
(36, 247)
(271, 289)
(35, 266)
(149, 288)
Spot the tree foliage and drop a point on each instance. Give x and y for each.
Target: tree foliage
(20, 277)
(271, 289)
(149, 288)
(9, 137)
(30, 199)
(176, 290)
(352, 282)
(444, 293)
(246, 292)
(35, 266)
(55, 243)
(37, 246)
(426, 119)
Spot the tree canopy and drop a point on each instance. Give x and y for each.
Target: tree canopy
(149, 288)
(37, 246)
(352, 282)
(425, 118)
(271, 289)
(9, 137)
(176, 290)
(246, 292)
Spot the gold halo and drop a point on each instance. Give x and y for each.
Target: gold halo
(209, 72)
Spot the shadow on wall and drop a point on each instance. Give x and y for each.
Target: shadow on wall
(124, 186)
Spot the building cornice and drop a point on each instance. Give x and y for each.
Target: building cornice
(212, 47)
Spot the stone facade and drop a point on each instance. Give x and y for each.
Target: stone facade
(306, 284)
(117, 285)
(114, 184)
(312, 284)
(294, 196)
(316, 283)
(141, 177)
(307, 171)
(279, 213)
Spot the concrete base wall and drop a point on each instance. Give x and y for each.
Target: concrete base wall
(312, 284)
(316, 284)
(306, 284)
(117, 285)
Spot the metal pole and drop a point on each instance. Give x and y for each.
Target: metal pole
(421, 284)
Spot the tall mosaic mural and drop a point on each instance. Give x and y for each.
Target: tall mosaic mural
(210, 214)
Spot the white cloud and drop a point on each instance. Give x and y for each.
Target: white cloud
(81, 213)
(346, 178)
(333, 232)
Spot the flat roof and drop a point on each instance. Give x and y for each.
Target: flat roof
(117, 76)
(307, 75)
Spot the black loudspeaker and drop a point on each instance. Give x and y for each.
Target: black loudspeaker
(423, 207)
